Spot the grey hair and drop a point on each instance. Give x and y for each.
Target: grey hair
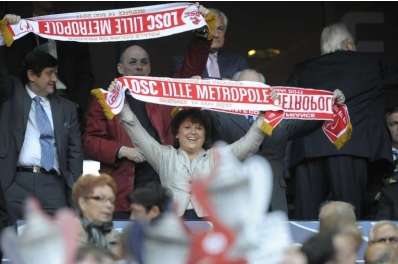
(221, 14)
(333, 38)
(239, 73)
(379, 224)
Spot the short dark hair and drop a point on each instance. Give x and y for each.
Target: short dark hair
(149, 195)
(319, 248)
(391, 110)
(197, 116)
(36, 61)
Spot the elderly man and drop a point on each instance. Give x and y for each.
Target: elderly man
(40, 144)
(230, 127)
(384, 232)
(321, 171)
(220, 63)
(106, 140)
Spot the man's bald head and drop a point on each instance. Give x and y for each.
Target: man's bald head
(249, 75)
(134, 61)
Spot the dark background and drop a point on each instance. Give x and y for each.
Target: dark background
(292, 27)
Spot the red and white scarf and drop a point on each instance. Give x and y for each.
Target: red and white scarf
(245, 98)
(109, 25)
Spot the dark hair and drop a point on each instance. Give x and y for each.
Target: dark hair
(196, 116)
(36, 60)
(319, 248)
(391, 110)
(149, 195)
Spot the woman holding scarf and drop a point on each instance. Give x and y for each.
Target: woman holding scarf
(190, 157)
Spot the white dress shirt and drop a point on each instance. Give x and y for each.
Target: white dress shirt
(30, 154)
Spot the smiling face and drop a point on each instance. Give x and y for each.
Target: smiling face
(134, 62)
(191, 136)
(98, 207)
(43, 84)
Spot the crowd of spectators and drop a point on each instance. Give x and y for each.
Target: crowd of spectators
(150, 154)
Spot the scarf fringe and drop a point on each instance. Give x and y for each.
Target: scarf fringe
(344, 138)
(266, 128)
(100, 96)
(6, 32)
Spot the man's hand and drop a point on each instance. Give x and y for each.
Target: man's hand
(202, 10)
(112, 86)
(11, 19)
(210, 18)
(338, 96)
(133, 154)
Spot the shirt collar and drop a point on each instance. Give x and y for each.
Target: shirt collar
(33, 95)
(215, 54)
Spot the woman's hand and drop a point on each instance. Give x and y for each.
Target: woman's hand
(11, 19)
(202, 10)
(133, 154)
(338, 96)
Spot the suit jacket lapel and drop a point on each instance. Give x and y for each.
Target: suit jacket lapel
(221, 63)
(240, 121)
(22, 106)
(57, 114)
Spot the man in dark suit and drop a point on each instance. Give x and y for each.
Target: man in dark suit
(230, 128)
(40, 147)
(75, 78)
(4, 218)
(387, 207)
(220, 64)
(321, 171)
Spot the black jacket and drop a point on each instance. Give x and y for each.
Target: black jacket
(361, 77)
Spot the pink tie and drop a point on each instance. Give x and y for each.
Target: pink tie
(212, 66)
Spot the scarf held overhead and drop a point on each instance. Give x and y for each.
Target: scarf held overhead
(144, 22)
(244, 98)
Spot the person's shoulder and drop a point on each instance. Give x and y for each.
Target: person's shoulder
(65, 101)
(230, 55)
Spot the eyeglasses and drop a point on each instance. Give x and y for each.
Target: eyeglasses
(392, 239)
(101, 199)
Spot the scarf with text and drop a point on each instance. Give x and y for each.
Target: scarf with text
(244, 98)
(144, 22)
